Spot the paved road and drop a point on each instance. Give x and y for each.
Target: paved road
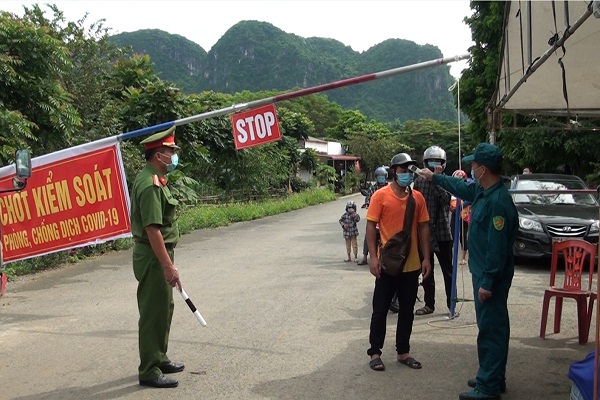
(287, 319)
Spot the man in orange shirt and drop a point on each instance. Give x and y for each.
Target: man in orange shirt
(387, 209)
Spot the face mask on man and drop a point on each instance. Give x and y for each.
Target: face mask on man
(473, 174)
(174, 162)
(404, 179)
(381, 179)
(432, 164)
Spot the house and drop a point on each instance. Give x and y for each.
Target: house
(330, 153)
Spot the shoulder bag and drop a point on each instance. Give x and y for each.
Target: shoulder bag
(394, 254)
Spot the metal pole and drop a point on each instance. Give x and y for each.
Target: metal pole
(457, 226)
(458, 117)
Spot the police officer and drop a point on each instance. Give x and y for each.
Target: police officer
(492, 232)
(155, 233)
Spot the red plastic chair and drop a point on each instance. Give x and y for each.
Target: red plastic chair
(575, 255)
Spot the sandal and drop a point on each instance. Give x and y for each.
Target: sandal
(348, 260)
(411, 363)
(376, 364)
(424, 311)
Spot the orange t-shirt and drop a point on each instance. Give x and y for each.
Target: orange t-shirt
(387, 209)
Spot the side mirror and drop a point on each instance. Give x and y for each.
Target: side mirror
(23, 164)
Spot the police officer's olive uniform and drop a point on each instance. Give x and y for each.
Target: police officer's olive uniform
(152, 204)
(492, 232)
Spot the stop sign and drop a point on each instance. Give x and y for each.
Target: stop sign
(254, 127)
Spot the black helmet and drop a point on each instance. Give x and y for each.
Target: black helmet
(350, 204)
(402, 159)
(381, 171)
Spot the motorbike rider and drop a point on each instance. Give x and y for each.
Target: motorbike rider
(381, 176)
(438, 206)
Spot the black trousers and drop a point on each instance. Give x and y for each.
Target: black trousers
(366, 246)
(406, 285)
(444, 256)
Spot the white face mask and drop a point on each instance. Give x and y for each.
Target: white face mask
(473, 173)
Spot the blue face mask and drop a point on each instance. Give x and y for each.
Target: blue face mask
(174, 162)
(404, 179)
(433, 164)
(381, 179)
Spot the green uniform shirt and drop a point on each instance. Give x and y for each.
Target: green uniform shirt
(492, 230)
(153, 204)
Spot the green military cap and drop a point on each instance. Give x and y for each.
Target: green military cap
(164, 138)
(486, 154)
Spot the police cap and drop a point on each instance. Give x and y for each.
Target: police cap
(164, 138)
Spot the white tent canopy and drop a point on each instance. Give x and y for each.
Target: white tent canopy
(531, 79)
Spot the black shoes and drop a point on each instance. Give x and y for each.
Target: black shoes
(476, 395)
(171, 367)
(472, 382)
(160, 382)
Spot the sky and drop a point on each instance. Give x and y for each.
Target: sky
(359, 24)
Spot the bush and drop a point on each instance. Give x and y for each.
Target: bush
(352, 182)
(222, 215)
(298, 185)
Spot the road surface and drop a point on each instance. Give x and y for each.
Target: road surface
(287, 319)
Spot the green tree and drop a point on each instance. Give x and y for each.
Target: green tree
(421, 134)
(294, 124)
(478, 82)
(374, 144)
(549, 150)
(350, 121)
(35, 108)
(309, 160)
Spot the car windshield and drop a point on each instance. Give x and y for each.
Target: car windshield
(555, 198)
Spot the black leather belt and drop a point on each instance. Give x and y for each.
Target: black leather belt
(168, 246)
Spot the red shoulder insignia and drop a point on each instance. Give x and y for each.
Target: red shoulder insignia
(155, 180)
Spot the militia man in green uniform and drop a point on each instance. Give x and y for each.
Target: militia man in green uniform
(155, 232)
(492, 232)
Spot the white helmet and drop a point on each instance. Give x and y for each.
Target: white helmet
(436, 155)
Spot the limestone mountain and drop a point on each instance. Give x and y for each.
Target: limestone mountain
(176, 58)
(255, 56)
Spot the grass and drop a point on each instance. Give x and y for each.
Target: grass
(190, 219)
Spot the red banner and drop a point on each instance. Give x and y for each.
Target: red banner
(255, 127)
(75, 197)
